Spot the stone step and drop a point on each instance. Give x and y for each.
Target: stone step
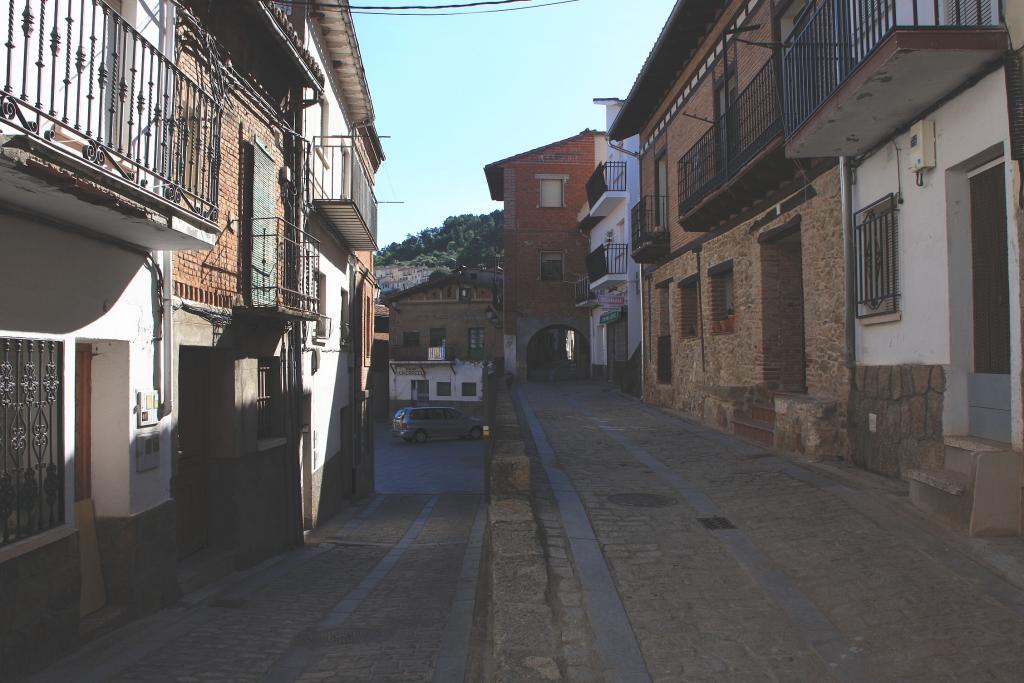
(756, 430)
(961, 452)
(943, 494)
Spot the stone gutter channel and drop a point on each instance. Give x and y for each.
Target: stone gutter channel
(530, 623)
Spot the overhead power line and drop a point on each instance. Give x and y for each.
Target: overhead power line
(344, 5)
(426, 10)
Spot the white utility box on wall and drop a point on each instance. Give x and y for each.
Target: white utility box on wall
(922, 145)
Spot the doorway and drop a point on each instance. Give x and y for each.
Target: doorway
(192, 478)
(988, 383)
(557, 353)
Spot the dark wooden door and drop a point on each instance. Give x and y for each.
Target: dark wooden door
(191, 481)
(83, 421)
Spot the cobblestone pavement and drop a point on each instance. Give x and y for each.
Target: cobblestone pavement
(384, 592)
(806, 574)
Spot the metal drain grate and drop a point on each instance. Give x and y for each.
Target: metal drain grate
(342, 636)
(716, 523)
(641, 500)
(228, 603)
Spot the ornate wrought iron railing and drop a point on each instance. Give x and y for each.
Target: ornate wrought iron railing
(31, 437)
(839, 35)
(337, 174)
(582, 289)
(609, 176)
(876, 247)
(747, 126)
(650, 220)
(81, 79)
(281, 272)
(607, 259)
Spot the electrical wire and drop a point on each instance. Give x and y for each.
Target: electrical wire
(426, 10)
(478, 3)
(452, 14)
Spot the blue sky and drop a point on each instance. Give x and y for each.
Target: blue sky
(457, 92)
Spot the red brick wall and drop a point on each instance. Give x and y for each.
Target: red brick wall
(531, 229)
(782, 352)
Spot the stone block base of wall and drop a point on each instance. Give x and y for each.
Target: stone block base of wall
(906, 401)
(39, 601)
(139, 557)
(810, 426)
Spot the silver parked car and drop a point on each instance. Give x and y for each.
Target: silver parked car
(419, 423)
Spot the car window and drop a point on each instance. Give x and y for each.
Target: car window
(399, 413)
(436, 413)
(452, 414)
(418, 415)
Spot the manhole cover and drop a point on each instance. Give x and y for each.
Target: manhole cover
(716, 523)
(641, 500)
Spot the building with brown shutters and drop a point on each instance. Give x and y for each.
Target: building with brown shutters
(546, 335)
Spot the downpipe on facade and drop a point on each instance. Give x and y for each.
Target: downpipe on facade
(846, 199)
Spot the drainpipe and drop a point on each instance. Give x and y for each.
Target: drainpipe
(643, 355)
(845, 198)
(167, 334)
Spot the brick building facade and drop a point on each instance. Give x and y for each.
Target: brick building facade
(545, 334)
(743, 248)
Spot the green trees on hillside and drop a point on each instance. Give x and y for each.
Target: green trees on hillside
(466, 240)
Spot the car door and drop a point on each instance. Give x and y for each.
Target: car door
(439, 426)
(456, 422)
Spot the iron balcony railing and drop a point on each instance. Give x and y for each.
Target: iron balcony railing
(841, 34)
(80, 79)
(607, 259)
(337, 174)
(447, 352)
(582, 290)
(650, 220)
(609, 176)
(31, 437)
(281, 272)
(736, 137)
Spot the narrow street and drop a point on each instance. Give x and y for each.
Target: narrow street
(384, 592)
(730, 563)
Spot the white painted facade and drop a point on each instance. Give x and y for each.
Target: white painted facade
(616, 228)
(65, 280)
(935, 317)
(403, 374)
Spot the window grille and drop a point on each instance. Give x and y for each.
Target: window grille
(876, 247)
(265, 424)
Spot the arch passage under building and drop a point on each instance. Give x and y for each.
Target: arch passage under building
(557, 352)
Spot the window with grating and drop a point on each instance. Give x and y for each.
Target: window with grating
(262, 208)
(876, 249)
(664, 312)
(267, 391)
(723, 293)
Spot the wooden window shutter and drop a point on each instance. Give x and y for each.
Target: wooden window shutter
(262, 210)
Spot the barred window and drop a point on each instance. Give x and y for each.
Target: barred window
(876, 248)
(723, 296)
(268, 389)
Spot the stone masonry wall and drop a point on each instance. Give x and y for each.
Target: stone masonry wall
(907, 402)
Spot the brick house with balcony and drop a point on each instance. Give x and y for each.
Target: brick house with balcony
(443, 333)
(546, 335)
(915, 104)
(741, 248)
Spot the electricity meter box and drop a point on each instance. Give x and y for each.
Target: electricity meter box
(922, 145)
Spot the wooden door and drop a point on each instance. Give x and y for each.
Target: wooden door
(989, 384)
(191, 480)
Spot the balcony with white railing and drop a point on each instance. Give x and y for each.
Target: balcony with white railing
(341, 191)
(855, 70)
(101, 129)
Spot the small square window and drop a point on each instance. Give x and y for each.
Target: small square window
(552, 191)
(444, 388)
(469, 388)
(551, 266)
(410, 339)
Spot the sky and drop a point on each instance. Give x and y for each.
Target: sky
(455, 93)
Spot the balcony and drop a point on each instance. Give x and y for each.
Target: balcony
(607, 264)
(340, 190)
(584, 294)
(101, 131)
(850, 56)
(606, 187)
(280, 273)
(650, 228)
(426, 354)
(737, 160)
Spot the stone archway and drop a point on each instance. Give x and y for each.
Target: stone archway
(557, 352)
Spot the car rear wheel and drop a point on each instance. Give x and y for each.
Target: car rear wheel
(476, 433)
(420, 436)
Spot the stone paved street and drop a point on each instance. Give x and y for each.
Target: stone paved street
(382, 593)
(827, 575)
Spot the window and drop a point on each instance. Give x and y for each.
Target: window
(876, 247)
(551, 266)
(420, 389)
(723, 302)
(267, 390)
(343, 323)
(689, 307)
(410, 339)
(465, 293)
(469, 388)
(437, 336)
(323, 325)
(552, 192)
(443, 388)
(664, 357)
(476, 343)
(664, 312)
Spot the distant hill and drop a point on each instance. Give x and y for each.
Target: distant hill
(466, 240)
